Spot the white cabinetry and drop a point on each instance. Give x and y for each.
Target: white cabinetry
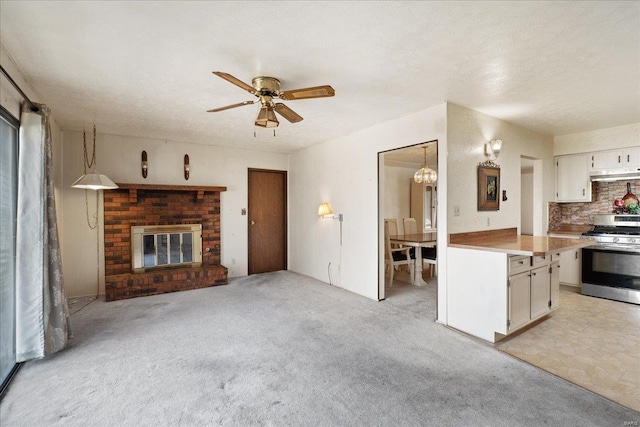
(540, 291)
(530, 292)
(571, 262)
(519, 300)
(612, 160)
(572, 178)
(570, 271)
(493, 294)
(555, 285)
(631, 158)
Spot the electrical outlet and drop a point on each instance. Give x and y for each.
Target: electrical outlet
(456, 211)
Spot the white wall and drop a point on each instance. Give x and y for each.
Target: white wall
(119, 158)
(467, 132)
(597, 140)
(344, 171)
(397, 190)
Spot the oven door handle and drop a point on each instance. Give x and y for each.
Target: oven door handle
(620, 248)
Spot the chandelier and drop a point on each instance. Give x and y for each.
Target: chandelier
(425, 173)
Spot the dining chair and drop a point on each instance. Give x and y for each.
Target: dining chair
(394, 257)
(429, 254)
(393, 230)
(410, 225)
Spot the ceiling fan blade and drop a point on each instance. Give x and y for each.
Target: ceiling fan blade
(308, 92)
(235, 81)
(288, 113)
(228, 107)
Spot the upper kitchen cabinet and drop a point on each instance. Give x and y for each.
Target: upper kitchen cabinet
(611, 160)
(572, 178)
(631, 158)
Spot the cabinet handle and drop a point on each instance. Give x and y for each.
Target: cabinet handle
(533, 274)
(628, 158)
(521, 262)
(583, 191)
(576, 254)
(618, 159)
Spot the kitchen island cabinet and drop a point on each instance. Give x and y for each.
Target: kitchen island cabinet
(500, 283)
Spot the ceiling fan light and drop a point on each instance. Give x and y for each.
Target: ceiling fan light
(267, 117)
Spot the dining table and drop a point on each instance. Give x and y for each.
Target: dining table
(418, 241)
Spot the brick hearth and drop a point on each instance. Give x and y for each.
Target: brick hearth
(132, 205)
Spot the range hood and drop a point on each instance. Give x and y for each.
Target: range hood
(615, 175)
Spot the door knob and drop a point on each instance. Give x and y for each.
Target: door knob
(253, 222)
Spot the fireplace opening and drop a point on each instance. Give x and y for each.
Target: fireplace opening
(161, 246)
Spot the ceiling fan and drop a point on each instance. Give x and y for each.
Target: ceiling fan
(266, 89)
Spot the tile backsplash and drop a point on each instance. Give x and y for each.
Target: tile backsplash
(603, 196)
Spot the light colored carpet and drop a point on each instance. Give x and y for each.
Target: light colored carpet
(284, 349)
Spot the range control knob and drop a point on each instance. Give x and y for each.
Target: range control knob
(615, 239)
(632, 240)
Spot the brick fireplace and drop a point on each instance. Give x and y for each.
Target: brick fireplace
(160, 205)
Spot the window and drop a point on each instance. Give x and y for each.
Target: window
(8, 208)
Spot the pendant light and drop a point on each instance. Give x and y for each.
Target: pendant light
(425, 173)
(93, 180)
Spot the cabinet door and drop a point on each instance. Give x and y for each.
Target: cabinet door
(572, 178)
(602, 160)
(570, 270)
(540, 291)
(631, 158)
(555, 285)
(519, 300)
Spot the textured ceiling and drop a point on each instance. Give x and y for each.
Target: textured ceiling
(144, 68)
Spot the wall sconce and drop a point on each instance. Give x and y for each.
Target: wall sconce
(324, 211)
(144, 165)
(187, 168)
(492, 149)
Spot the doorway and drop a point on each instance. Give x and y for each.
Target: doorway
(267, 228)
(401, 197)
(526, 196)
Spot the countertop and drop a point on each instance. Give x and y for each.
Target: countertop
(526, 245)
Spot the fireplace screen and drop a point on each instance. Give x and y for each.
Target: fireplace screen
(166, 246)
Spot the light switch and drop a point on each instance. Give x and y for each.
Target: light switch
(456, 211)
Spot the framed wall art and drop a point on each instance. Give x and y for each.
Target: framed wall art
(488, 188)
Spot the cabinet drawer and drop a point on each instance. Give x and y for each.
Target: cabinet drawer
(519, 263)
(539, 261)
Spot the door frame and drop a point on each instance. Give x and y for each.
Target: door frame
(285, 219)
(440, 160)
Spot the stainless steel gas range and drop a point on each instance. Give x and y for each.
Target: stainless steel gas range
(611, 267)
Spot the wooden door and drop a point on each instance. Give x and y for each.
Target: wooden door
(267, 218)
